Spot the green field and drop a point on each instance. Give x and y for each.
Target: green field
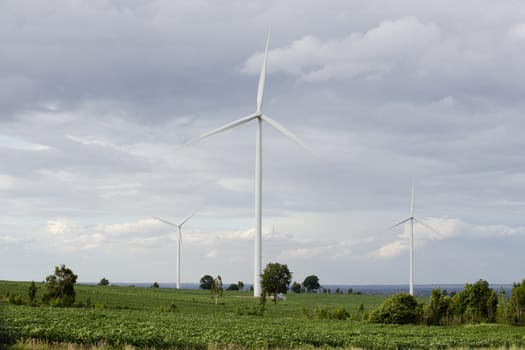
(168, 318)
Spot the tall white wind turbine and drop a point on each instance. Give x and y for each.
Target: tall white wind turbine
(259, 117)
(179, 241)
(411, 219)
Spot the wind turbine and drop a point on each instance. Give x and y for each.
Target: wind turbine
(179, 241)
(412, 218)
(259, 117)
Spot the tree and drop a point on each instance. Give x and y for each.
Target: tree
(206, 282)
(233, 287)
(216, 288)
(103, 282)
(311, 283)
(517, 302)
(240, 284)
(475, 303)
(276, 279)
(296, 287)
(155, 285)
(438, 307)
(31, 293)
(60, 287)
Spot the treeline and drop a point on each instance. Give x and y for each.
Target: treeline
(476, 303)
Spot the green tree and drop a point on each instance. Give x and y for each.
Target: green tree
(475, 303)
(517, 302)
(60, 287)
(206, 282)
(311, 283)
(216, 288)
(240, 284)
(103, 282)
(155, 285)
(296, 287)
(275, 279)
(437, 310)
(31, 293)
(398, 309)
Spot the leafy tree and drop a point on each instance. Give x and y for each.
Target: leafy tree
(296, 287)
(398, 309)
(216, 288)
(438, 308)
(60, 287)
(311, 283)
(233, 287)
(240, 284)
(517, 302)
(31, 293)
(155, 285)
(206, 282)
(103, 282)
(276, 279)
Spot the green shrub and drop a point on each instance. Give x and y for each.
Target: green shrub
(398, 309)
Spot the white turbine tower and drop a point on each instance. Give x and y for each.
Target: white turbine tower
(179, 241)
(259, 117)
(412, 218)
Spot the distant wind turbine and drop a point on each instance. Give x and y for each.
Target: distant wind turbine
(412, 218)
(259, 117)
(179, 241)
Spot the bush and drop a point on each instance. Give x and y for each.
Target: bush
(398, 309)
(233, 287)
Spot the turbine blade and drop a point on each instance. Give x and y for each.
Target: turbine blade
(166, 222)
(412, 201)
(286, 132)
(429, 227)
(189, 217)
(262, 77)
(224, 128)
(399, 223)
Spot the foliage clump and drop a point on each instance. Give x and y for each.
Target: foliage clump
(296, 288)
(206, 282)
(311, 283)
(233, 287)
(398, 309)
(517, 303)
(7, 336)
(60, 287)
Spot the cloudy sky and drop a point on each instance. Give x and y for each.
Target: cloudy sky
(97, 98)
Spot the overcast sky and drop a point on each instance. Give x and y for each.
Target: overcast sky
(97, 98)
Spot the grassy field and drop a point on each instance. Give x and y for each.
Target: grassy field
(167, 318)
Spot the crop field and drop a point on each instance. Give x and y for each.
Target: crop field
(167, 318)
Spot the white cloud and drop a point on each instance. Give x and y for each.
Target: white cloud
(21, 144)
(373, 53)
(59, 226)
(448, 229)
